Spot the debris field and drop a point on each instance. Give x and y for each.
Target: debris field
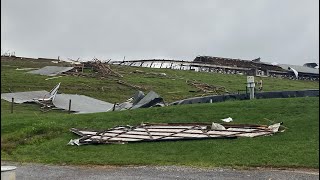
(150, 132)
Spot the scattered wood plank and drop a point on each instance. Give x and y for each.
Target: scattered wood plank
(131, 85)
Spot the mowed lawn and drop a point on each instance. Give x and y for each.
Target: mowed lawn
(29, 135)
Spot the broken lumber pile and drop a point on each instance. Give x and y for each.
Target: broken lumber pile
(103, 69)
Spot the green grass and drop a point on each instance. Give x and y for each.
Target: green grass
(29, 135)
(171, 87)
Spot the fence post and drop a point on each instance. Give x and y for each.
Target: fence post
(12, 101)
(69, 106)
(114, 106)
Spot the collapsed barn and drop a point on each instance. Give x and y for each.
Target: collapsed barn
(229, 66)
(256, 67)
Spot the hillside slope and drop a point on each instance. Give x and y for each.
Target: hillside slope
(171, 87)
(29, 135)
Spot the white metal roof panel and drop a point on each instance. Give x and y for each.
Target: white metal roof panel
(51, 70)
(22, 97)
(81, 103)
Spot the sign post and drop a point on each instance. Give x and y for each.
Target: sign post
(251, 85)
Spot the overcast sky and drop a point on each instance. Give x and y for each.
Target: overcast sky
(283, 31)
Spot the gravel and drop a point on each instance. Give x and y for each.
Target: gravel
(30, 171)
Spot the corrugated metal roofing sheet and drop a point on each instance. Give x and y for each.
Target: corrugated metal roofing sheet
(149, 100)
(51, 70)
(81, 103)
(22, 97)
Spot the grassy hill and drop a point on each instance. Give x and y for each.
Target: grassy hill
(171, 87)
(29, 135)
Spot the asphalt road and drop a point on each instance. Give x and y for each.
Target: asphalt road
(50, 172)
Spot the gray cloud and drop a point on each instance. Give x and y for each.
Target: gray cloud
(284, 31)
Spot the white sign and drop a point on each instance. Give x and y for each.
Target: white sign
(250, 82)
(250, 79)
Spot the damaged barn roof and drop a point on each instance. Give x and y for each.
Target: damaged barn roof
(170, 132)
(51, 70)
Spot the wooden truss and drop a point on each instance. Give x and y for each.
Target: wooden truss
(170, 132)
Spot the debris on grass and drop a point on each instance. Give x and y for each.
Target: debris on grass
(152, 99)
(152, 132)
(51, 70)
(23, 97)
(98, 68)
(151, 73)
(80, 103)
(130, 85)
(206, 88)
(229, 119)
(216, 126)
(69, 102)
(53, 77)
(139, 100)
(103, 69)
(26, 69)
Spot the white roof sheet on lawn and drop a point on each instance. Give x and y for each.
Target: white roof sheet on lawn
(51, 70)
(21, 97)
(81, 103)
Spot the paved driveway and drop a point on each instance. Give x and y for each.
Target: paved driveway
(39, 171)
